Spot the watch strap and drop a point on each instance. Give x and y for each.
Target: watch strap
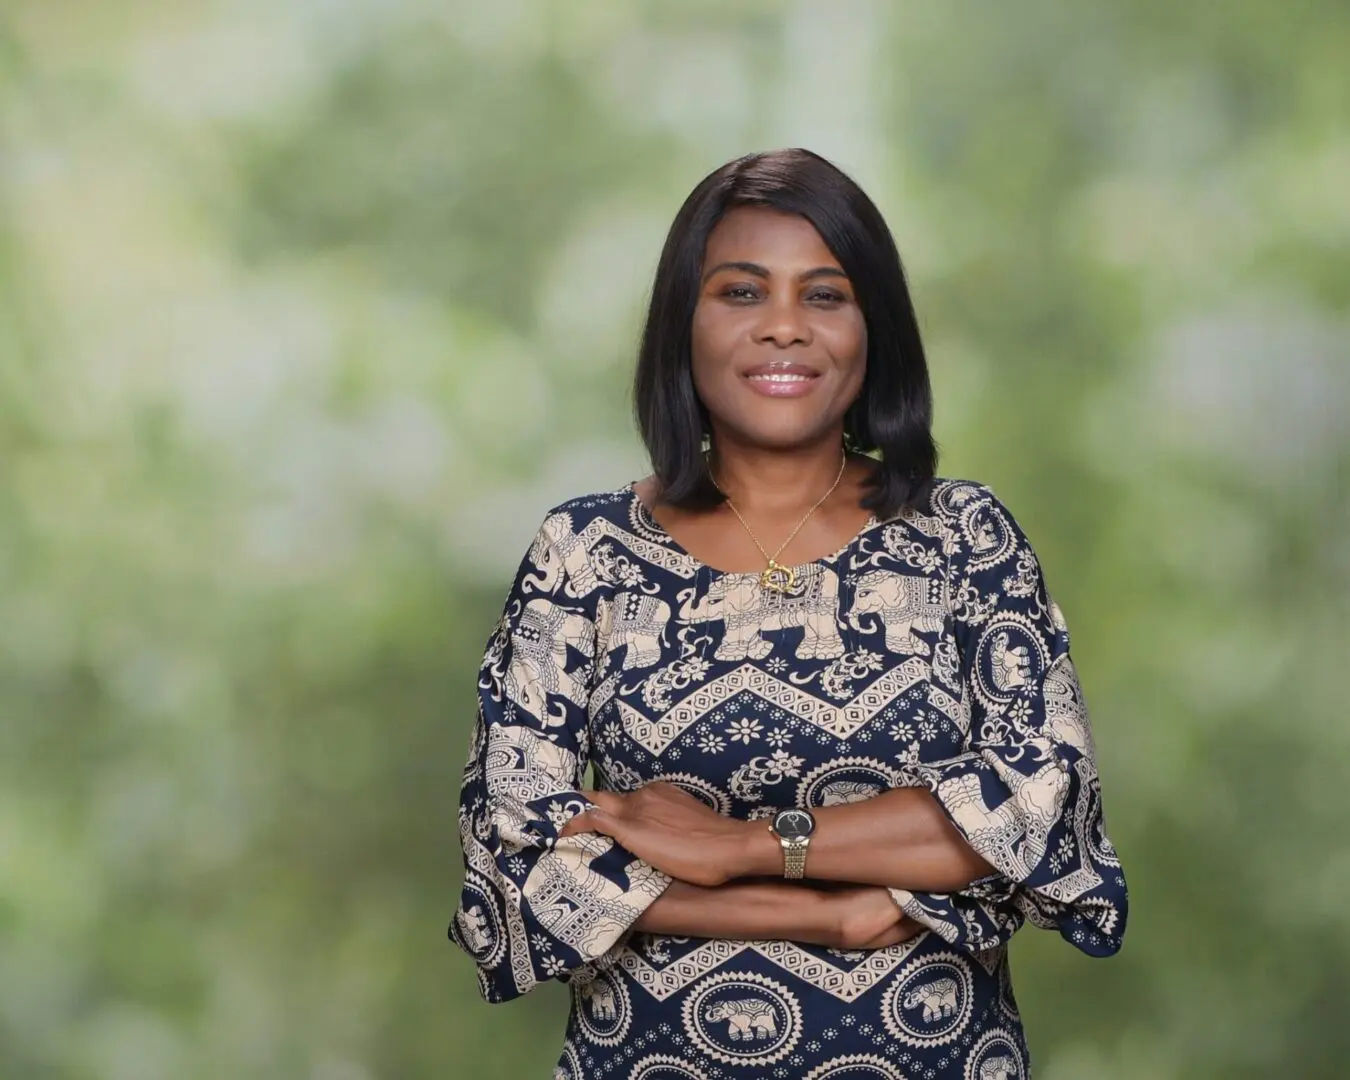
(794, 857)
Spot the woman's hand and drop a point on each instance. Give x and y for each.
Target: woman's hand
(854, 917)
(685, 838)
(673, 831)
(866, 917)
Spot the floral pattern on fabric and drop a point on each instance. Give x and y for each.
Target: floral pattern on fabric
(926, 652)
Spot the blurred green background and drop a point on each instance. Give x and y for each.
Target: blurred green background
(309, 310)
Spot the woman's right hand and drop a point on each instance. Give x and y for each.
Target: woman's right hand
(832, 914)
(867, 917)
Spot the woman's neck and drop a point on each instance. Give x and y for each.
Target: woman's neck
(772, 482)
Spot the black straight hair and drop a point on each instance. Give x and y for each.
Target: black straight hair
(893, 412)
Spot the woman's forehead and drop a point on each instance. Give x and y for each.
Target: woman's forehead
(766, 236)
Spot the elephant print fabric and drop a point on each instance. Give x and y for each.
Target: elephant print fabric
(925, 652)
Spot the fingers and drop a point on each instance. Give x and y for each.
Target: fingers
(600, 821)
(905, 929)
(594, 819)
(881, 940)
(606, 800)
(586, 821)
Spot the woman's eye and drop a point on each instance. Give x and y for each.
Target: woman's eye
(749, 293)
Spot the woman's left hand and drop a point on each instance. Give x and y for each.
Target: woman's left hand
(671, 830)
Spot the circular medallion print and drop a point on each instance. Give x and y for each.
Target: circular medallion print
(704, 791)
(743, 1018)
(951, 496)
(930, 1001)
(1089, 824)
(989, 538)
(568, 1067)
(664, 1067)
(1010, 657)
(478, 924)
(845, 780)
(604, 1010)
(856, 1067)
(995, 1056)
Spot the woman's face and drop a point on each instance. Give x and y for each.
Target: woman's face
(779, 344)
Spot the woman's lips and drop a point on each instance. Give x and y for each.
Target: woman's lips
(782, 380)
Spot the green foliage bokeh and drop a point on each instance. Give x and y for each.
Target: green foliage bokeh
(309, 311)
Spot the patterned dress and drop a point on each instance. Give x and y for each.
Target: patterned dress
(926, 651)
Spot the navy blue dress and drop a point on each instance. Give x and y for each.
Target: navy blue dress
(926, 651)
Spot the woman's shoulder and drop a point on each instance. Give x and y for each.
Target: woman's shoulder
(952, 498)
(967, 515)
(563, 549)
(579, 513)
(594, 503)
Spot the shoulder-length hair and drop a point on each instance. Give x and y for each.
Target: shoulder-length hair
(894, 410)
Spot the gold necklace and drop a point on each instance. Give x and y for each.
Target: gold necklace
(775, 578)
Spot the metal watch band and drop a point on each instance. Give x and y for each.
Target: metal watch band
(794, 858)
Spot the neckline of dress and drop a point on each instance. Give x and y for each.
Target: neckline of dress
(649, 521)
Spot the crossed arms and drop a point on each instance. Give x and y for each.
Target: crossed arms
(722, 868)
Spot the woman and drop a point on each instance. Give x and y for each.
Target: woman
(840, 750)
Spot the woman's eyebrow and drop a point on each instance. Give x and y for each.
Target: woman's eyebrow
(823, 271)
(761, 272)
(745, 267)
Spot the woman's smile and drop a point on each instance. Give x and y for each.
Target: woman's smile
(741, 657)
(777, 316)
(782, 379)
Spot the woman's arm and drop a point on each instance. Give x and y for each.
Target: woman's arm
(522, 780)
(900, 839)
(1022, 799)
(853, 918)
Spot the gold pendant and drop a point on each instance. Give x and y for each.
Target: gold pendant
(779, 579)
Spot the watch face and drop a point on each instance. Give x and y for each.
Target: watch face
(794, 824)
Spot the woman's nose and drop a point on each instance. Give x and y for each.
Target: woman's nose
(783, 324)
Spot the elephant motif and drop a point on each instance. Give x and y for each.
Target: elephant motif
(839, 792)
(600, 1001)
(1012, 663)
(737, 601)
(998, 1068)
(634, 623)
(984, 539)
(1066, 714)
(904, 603)
(473, 926)
(750, 1018)
(938, 999)
(539, 663)
(1015, 832)
(547, 563)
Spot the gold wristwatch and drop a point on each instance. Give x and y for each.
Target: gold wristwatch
(793, 828)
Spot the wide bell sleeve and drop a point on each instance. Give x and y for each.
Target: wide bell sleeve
(1025, 793)
(983, 915)
(535, 905)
